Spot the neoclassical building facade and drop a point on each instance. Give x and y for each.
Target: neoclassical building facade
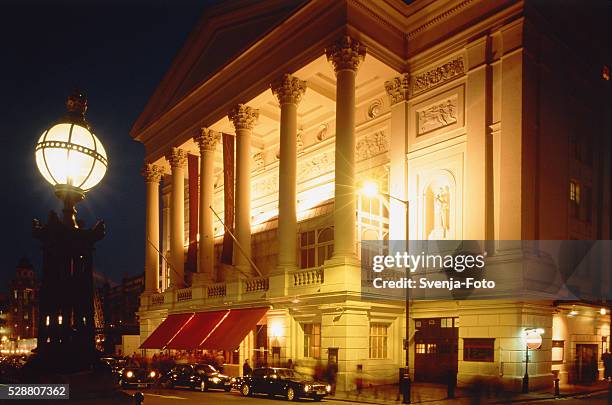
(472, 111)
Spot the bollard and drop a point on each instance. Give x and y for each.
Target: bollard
(451, 381)
(138, 398)
(557, 391)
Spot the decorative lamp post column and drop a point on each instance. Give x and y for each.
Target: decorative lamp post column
(533, 341)
(73, 160)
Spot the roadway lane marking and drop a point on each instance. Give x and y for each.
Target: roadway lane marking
(164, 396)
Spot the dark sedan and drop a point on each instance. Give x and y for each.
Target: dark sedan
(198, 377)
(283, 381)
(137, 377)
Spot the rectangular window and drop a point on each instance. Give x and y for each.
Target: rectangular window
(378, 340)
(316, 247)
(312, 340)
(420, 348)
(574, 196)
(558, 347)
(482, 350)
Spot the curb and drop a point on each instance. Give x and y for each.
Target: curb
(506, 401)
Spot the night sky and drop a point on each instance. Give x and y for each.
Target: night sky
(117, 52)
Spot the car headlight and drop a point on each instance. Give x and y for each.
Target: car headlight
(129, 374)
(216, 380)
(152, 374)
(328, 388)
(306, 388)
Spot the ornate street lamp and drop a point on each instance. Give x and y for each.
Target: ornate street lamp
(370, 189)
(70, 156)
(73, 160)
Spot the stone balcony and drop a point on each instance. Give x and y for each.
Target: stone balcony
(300, 282)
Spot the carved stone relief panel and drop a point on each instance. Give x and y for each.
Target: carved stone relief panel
(439, 115)
(436, 118)
(372, 145)
(427, 80)
(313, 166)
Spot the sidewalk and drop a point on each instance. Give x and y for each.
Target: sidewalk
(434, 394)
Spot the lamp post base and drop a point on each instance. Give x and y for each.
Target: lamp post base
(525, 384)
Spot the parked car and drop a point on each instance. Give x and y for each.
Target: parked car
(198, 377)
(137, 377)
(283, 381)
(116, 364)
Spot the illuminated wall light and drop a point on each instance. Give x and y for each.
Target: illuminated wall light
(276, 330)
(603, 311)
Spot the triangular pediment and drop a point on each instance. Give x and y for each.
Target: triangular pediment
(222, 33)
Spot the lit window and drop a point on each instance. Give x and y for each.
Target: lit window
(575, 191)
(481, 350)
(315, 247)
(558, 347)
(378, 341)
(420, 348)
(312, 340)
(432, 348)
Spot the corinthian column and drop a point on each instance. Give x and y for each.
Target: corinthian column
(152, 175)
(244, 118)
(177, 158)
(346, 55)
(207, 141)
(289, 91)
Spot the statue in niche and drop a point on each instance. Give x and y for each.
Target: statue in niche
(441, 211)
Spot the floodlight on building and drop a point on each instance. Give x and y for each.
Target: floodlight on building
(370, 189)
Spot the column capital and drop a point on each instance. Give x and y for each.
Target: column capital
(207, 140)
(243, 116)
(346, 53)
(176, 157)
(152, 173)
(288, 89)
(397, 88)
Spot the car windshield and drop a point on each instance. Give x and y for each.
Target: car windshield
(205, 369)
(292, 374)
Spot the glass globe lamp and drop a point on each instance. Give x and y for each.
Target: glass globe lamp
(70, 156)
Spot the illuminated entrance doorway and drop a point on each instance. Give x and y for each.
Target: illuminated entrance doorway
(435, 350)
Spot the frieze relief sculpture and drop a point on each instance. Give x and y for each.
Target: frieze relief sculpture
(438, 116)
(372, 145)
(439, 75)
(316, 166)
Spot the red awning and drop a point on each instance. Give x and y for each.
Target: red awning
(166, 331)
(233, 329)
(196, 330)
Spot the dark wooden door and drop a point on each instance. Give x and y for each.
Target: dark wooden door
(586, 362)
(435, 350)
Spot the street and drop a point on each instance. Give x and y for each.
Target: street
(169, 396)
(172, 396)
